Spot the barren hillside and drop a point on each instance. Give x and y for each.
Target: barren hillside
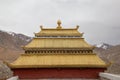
(10, 45)
(111, 55)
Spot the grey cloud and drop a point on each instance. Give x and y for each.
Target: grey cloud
(99, 19)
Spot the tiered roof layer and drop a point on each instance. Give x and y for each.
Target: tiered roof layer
(58, 61)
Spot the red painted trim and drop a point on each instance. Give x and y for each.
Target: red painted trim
(37, 73)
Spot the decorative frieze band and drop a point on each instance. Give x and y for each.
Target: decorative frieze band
(58, 51)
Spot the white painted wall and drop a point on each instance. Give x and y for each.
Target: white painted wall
(13, 78)
(109, 76)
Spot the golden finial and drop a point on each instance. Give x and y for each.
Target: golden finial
(59, 24)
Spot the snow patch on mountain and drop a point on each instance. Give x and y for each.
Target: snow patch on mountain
(28, 40)
(8, 32)
(103, 45)
(11, 33)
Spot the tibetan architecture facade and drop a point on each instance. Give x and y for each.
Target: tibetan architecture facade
(58, 53)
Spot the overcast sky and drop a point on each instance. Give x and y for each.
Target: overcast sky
(98, 19)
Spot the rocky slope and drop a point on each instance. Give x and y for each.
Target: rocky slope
(110, 55)
(5, 71)
(10, 45)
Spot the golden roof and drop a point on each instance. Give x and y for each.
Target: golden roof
(58, 43)
(59, 31)
(61, 39)
(52, 61)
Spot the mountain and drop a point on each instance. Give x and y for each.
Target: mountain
(13, 40)
(110, 55)
(10, 44)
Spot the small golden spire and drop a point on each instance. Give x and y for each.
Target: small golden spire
(41, 27)
(59, 24)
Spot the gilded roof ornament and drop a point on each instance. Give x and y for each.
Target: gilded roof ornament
(59, 24)
(41, 27)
